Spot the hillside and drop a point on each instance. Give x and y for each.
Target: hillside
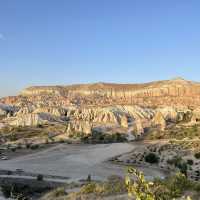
(169, 92)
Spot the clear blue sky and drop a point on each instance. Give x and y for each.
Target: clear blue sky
(46, 42)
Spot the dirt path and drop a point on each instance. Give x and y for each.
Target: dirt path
(75, 161)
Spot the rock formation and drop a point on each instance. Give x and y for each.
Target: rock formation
(171, 92)
(125, 106)
(159, 120)
(32, 119)
(75, 127)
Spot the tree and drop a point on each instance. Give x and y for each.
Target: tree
(141, 189)
(152, 158)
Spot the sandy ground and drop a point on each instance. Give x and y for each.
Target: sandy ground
(76, 161)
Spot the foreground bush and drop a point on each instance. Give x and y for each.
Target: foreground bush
(142, 189)
(135, 184)
(114, 185)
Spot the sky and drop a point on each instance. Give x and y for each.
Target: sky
(51, 42)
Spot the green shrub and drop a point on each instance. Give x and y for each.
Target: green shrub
(89, 188)
(15, 191)
(28, 145)
(197, 155)
(104, 138)
(152, 158)
(35, 146)
(13, 137)
(170, 188)
(190, 162)
(13, 149)
(19, 146)
(114, 185)
(61, 141)
(58, 192)
(40, 177)
(40, 126)
(179, 163)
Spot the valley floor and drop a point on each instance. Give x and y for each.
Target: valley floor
(77, 161)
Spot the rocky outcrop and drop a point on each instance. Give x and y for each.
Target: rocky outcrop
(122, 107)
(6, 110)
(195, 115)
(170, 92)
(42, 90)
(159, 121)
(3, 113)
(57, 111)
(98, 115)
(82, 127)
(124, 121)
(138, 127)
(32, 119)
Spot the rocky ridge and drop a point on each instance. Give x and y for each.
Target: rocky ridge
(120, 107)
(176, 91)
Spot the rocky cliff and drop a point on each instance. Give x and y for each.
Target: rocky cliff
(170, 92)
(118, 107)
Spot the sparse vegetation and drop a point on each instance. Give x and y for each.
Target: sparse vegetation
(171, 188)
(102, 138)
(115, 185)
(190, 162)
(40, 177)
(175, 132)
(34, 146)
(152, 158)
(179, 163)
(56, 193)
(197, 155)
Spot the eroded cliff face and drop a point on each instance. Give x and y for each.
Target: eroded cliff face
(121, 107)
(171, 92)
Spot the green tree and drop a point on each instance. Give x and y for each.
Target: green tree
(141, 189)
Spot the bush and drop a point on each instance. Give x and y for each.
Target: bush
(13, 149)
(152, 158)
(197, 155)
(179, 163)
(40, 126)
(61, 141)
(58, 192)
(40, 177)
(19, 146)
(28, 146)
(35, 146)
(13, 137)
(114, 185)
(15, 191)
(102, 138)
(170, 188)
(190, 162)
(89, 188)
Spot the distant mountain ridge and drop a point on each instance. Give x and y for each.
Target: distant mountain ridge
(105, 86)
(176, 91)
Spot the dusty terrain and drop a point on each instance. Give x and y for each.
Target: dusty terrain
(76, 161)
(70, 132)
